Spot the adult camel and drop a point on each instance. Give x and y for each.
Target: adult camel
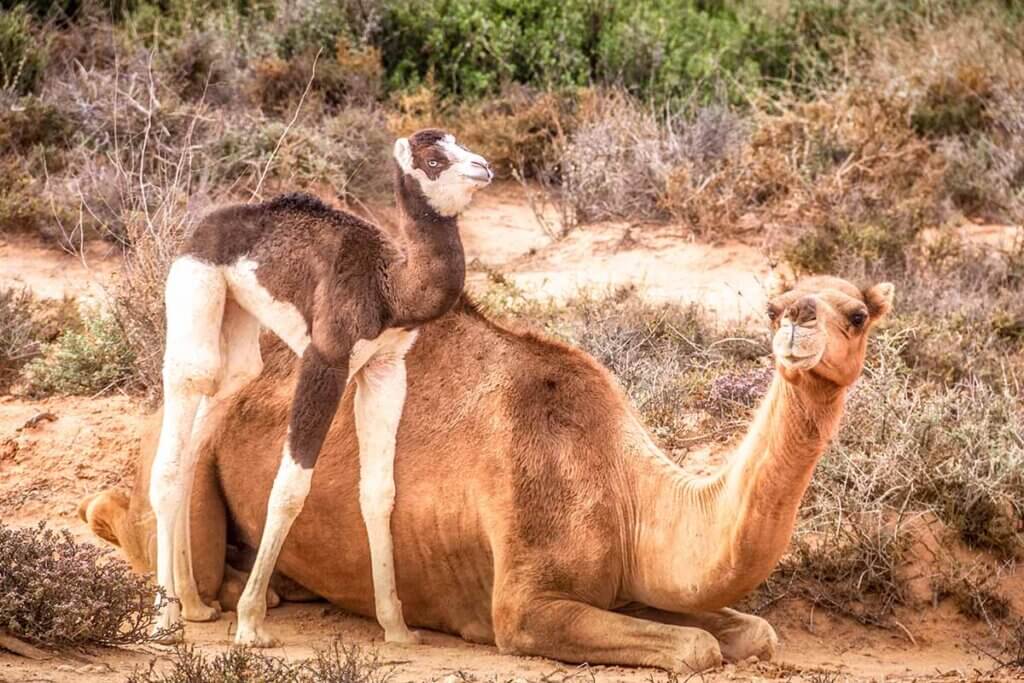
(533, 507)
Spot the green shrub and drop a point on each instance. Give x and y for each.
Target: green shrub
(23, 52)
(94, 359)
(56, 591)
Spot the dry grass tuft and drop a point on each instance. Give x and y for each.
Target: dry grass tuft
(19, 333)
(335, 664)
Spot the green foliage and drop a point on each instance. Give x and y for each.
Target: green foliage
(94, 359)
(56, 591)
(23, 52)
(474, 48)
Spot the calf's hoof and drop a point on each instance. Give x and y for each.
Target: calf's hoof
(257, 637)
(403, 637)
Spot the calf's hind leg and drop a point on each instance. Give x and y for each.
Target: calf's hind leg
(194, 297)
(241, 364)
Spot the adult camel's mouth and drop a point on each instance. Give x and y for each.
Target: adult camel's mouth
(798, 347)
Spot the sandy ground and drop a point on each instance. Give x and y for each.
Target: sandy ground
(47, 465)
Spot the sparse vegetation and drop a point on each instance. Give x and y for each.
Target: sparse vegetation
(337, 663)
(91, 360)
(854, 138)
(55, 591)
(19, 333)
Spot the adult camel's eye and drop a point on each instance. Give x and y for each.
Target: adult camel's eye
(432, 163)
(859, 318)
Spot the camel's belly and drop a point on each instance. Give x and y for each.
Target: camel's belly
(443, 561)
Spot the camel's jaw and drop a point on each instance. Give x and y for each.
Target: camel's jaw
(799, 347)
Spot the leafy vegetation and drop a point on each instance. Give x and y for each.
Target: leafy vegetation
(56, 591)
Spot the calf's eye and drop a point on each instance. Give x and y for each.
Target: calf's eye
(859, 318)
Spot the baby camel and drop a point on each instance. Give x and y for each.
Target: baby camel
(344, 298)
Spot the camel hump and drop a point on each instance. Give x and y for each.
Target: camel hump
(105, 512)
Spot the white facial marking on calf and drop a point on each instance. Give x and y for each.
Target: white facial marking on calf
(450, 193)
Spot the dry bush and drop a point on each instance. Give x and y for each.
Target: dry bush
(618, 160)
(519, 131)
(347, 154)
(853, 569)
(56, 591)
(19, 333)
(23, 52)
(974, 590)
(335, 664)
(349, 77)
(846, 162)
(201, 67)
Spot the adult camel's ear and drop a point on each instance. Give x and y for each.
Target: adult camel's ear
(879, 299)
(403, 154)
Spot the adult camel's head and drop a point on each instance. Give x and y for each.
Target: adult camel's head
(821, 325)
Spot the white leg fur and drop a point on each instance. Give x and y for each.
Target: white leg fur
(288, 495)
(240, 350)
(380, 397)
(194, 298)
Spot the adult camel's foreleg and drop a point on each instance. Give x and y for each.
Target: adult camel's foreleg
(740, 635)
(380, 397)
(317, 395)
(578, 632)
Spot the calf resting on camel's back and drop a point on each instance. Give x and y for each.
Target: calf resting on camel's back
(534, 511)
(346, 300)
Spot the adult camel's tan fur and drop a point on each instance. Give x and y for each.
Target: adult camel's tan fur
(534, 511)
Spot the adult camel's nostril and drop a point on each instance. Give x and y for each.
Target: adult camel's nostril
(803, 311)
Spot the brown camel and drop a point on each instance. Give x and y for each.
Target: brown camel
(534, 510)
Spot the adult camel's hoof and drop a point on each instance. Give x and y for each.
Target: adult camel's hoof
(752, 637)
(698, 652)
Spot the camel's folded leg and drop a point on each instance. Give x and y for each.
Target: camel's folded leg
(577, 632)
(740, 635)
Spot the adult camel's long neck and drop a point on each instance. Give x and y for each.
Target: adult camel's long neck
(428, 278)
(703, 542)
